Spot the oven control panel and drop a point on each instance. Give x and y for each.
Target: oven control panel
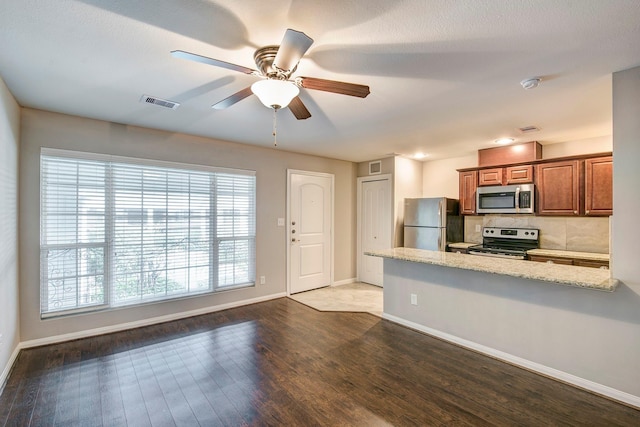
(510, 233)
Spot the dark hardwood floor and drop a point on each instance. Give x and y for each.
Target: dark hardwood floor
(282, 363)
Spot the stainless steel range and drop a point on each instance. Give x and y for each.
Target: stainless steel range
(510, 243)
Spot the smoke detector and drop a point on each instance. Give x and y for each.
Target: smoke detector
(530, 83)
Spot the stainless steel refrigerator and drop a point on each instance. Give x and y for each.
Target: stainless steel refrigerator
(431, 223)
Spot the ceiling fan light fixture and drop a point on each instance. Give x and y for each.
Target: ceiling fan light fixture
(275, 93)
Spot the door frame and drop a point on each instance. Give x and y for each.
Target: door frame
(361, 180)
(291, 172)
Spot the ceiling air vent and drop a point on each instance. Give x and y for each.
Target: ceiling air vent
(161, 102)
(528, 129)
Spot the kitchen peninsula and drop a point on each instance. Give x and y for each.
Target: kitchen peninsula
(582, 277)
(543, 317)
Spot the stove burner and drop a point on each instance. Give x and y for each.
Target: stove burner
(510, 243)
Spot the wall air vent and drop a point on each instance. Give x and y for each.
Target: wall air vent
(528, 129)
(161, 102)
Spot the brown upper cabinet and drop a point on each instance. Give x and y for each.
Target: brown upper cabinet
(519, 174)
(468, 185)
(491, 176)
(598, 186)
(575, 185)
(558, 185)
(506, 176)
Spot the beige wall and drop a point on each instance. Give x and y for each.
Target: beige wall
(599, 144)
(387, 166)
(407, 183)
(45, 129)
(9, 146)
(440, 177)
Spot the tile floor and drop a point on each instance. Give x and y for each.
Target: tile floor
(354, 297)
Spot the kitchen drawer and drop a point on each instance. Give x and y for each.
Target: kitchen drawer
(551, 260)
(591, 263)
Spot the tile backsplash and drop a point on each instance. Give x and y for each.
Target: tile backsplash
(581, 234)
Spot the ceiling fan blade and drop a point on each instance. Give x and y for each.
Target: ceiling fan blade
(293, 47)
(236, 97)
(298, 109)
(210, 61)
(342, 88)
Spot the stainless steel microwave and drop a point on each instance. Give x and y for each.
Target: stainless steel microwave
(512, 199)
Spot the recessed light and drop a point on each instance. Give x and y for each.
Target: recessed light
(419, 156)
(504, 141)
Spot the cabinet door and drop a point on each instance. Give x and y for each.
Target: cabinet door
(468, 185)
(591, 263)
(598, 186)
(519, 174)
(490, 176)
(558, 186)
(550, 260)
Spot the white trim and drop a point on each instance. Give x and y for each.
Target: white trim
(8, 366)
(288, 219)
(145, 322)
(360, 181)
(345, 282)
(588, 385)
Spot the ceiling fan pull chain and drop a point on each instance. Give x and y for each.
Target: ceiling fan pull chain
(275, 140)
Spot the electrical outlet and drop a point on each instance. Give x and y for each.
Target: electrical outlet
(478, 228)
(263, 280)
(280, 222)
(414, 299)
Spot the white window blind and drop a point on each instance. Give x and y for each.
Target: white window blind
(117, 231)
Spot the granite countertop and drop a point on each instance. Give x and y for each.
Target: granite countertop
(582, 277)
(547, 252)
(569, 254)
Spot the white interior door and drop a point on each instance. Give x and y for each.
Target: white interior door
(310, 225)
(375, 228)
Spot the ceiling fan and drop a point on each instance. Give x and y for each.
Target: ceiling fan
(275, 65)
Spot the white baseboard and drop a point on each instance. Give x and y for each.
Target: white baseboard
(8, 366)
(345, 282)
(594, 387)
(144, 322)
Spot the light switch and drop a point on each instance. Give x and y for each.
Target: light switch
(280, 222)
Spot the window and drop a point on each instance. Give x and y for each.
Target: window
(117, 231)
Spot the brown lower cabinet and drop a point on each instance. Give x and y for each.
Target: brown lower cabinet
(569, 261)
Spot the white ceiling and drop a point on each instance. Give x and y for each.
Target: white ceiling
(444, 74)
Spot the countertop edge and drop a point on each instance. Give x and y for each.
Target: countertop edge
(530, 270)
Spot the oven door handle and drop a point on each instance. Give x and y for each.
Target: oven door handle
(496, 255)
